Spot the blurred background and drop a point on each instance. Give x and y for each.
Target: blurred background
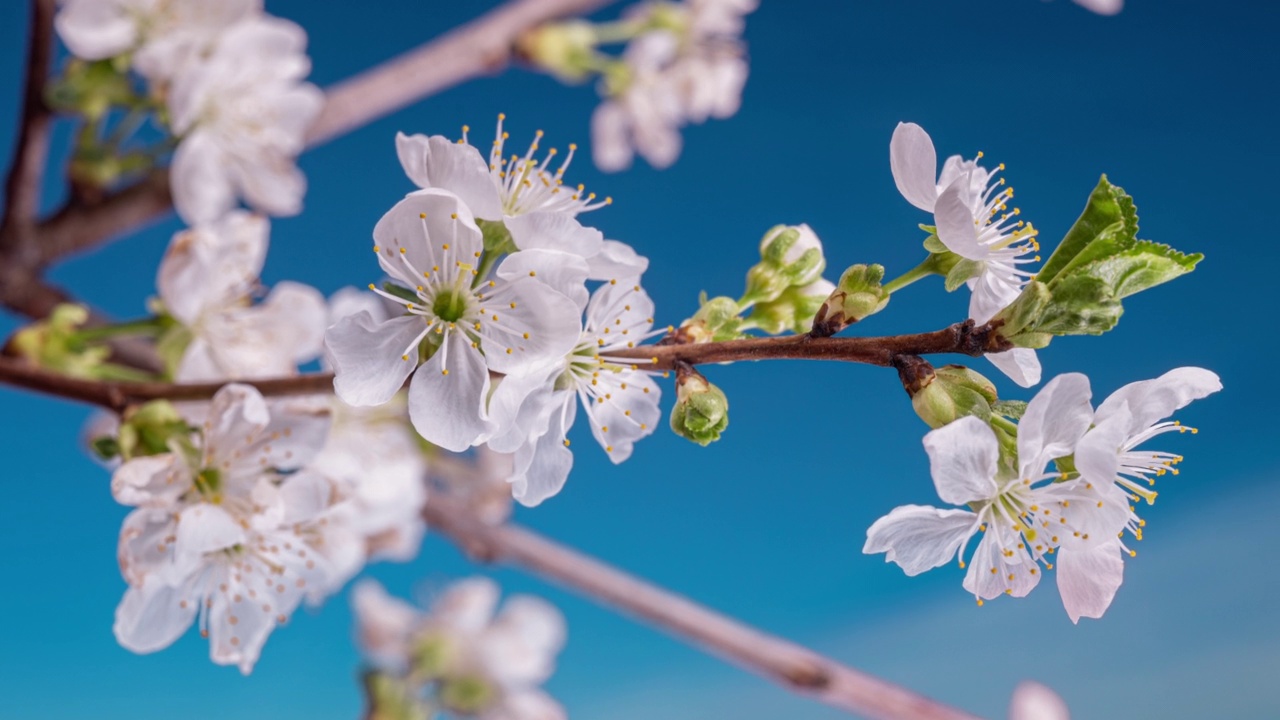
(1174, 99)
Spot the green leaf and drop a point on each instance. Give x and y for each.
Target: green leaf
(497, 238)
(960, 273)
(1081, 305)
(1142, 267)
(1012, 409)
(1108, 224)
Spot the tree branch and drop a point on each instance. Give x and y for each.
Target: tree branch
(22, 189)
(482, 46)
(793, 666)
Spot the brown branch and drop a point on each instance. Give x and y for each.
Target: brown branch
(782, 661)
(482, 46)
(22, 189)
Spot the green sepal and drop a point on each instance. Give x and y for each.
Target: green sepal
(172, 345)
(497, 238)
(701, 411)
(1012, 409)
(934, 245)
(105, 447)
(960, 273)
(392, 698)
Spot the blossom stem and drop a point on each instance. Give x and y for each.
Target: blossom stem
(922, 270)
(782, 661)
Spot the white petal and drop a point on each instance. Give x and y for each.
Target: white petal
(245, 434)
(554, 231)
(956, 225)
(1054, 421)
(610, 137)
(202, 190)
(1020, 364)
(466, 606)
(384, 624)
(624, 409)
(962, 458)
(521, 644)
(616, 260)
(551, 321)
(566, 273)
(1097, 455)
(525, 704)
(437, 162)
(422, 224)
(1150, 401)
(919, 537)
(412, 151)
(156, 481)
(448, 408)
(1089, 578)
(915, 165)
(94, 30)
(306, 495)
(1102, 7)
(349, 301)
(205, 528)
(213, 266)
(992, 573)
(150, 617)
(368, 356)
(543, 464)
(520, 407)
(1033, 701)
(295, 316)
(618, 311)
(144, 549)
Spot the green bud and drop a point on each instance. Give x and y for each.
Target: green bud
(701, 411)
(431, 656)
(954, 392)
(149, 429)
(91, 89)
(565, 49)
(858, 295)
(1023, 312)
(53, 343)
(391, 698)
(717, 320)
(468, 694)
(793, 310)
(790, 256)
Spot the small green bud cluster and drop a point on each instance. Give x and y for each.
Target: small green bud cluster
(566, 50)
(790, 256)
(392, 698)
(701, 411)
(55, 343)
(858, 295)
(953, 392)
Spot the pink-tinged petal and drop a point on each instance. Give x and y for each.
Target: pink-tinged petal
(1020, 364)
(151, 616)
(543, 464)
(155, 481)
(915, 165)
(202, 190)
(1150, 401)
(963, 457)
(957, 228)
(437, 162)
(1089, 578)
(1033, 701)
(368, 357)
(564, 272)
(919, 537)
(1054, 421)
(447, 395)
(554, 231)
(551, 321)
(616, 260)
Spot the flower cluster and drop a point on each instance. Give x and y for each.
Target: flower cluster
(490, 266)
(460, 657)
(1028, 514)
(227, 79)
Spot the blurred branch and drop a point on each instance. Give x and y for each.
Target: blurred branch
(22, 189)
(793, 666)
(482, 46)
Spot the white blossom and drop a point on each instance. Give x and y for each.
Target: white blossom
(166, 37)
(1025, 517)
(501, 659)
(1033, 701)
(206, 281)
(620, 398)
(213, 535)
(1102, 7)
(513, 322)
(241, 114)
(972, 219)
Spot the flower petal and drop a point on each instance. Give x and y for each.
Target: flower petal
(957, 227)
(437, 162)
(384, 624)
(915, 165)
(993, 573)
(554, 231)
(466, 606)
(616, 260)
(1020, 364)
(623, 409)
(434, 229)
(368, 356)
(151, 616)
(962, 458)
(543, 463)
(1097, 455)
(154, 481)
(551, 322)
(212, 266)
(447, 395)
(919, 537)
(1054, 421)
(202, 190)
(1089, 578)
(521, 644)
(564, 272)
(1150, 401)
(1033, 701)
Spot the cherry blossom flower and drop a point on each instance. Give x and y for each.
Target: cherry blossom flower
(513, 322)
(165, 36)
(206, 282)
(524, 193)
(620, 398)
(1130, 417)
(212, 535)
(972, 220)
(1024, 517)
(482, 665)
(241, 114)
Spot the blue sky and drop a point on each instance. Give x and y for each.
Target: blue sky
(1174, 100)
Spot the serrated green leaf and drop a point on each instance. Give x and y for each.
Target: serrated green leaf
(1081, 305)
(1142, 267)
(960, 273)
(1109, 224)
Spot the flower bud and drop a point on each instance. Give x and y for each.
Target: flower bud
(790, 256)
(794, 309)
(563, 49)
(858, 295)
(150, 429)
(717, 320)
(467, 694)
(391, 698)
(954, 392)
(1024, 311)
(701, 411)
(53, 343)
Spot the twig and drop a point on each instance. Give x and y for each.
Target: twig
(784, 662)
(482, 46)
(22, 189)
